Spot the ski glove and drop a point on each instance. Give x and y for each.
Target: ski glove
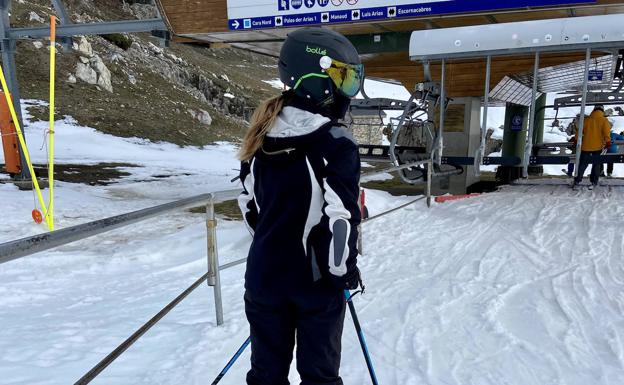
(350, 281)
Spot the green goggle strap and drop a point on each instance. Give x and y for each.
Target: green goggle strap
(310, 75)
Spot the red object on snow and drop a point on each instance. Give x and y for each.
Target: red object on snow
(447, 198)
(37, 216)
(362, 202)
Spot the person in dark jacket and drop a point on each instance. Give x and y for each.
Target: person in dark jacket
(571, 131)
(300, 173)
(613, 149)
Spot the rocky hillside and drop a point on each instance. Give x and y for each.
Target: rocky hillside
(129, 85)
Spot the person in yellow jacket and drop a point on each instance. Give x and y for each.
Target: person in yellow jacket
(596, 137)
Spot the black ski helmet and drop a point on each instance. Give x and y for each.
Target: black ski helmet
(300, 68)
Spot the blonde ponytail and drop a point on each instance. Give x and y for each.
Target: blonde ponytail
(262, 121)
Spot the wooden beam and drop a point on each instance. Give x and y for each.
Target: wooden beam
(463, 77)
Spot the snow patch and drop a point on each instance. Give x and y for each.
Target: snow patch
(275, 83)
(33, 16)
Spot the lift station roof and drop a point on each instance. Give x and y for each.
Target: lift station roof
(381, 31)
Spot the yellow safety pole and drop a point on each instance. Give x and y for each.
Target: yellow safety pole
(50, 212)
(20, 136)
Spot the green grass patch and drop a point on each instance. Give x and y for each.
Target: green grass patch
(227, 210)
(119, 39)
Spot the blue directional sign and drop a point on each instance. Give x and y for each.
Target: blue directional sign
(595, 75)
(261, 14)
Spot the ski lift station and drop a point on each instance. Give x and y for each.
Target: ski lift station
(454, 57)
(457, 58)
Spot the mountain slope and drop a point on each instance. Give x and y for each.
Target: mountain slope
(156, 93)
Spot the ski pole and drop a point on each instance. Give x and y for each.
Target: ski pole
(360, 333)
(232, 361)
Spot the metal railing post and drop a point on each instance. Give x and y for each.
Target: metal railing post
(440, 142)
(528, 147)
(214, 278)
(429, 177)
(581, 123)
(486, 101)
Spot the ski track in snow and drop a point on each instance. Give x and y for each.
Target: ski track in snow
(524, 286)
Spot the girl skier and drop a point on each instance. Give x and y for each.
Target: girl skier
(300, 172)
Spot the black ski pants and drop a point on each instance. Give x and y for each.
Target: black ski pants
(587, 158)
(609, 168)
(315, 320)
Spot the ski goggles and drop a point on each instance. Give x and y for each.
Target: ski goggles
(348, 78)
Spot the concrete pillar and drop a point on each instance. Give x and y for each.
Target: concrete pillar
(462, 137)
(514, 140)
(538, 130)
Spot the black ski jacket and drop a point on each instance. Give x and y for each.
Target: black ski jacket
(300, 203)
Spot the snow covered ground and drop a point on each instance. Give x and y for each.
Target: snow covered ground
(520, 287)
(167, 172)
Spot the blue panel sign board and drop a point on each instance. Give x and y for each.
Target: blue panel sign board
(517, 123)
(261, 14)
(595, 75)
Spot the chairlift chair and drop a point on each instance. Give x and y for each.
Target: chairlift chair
(411, 136)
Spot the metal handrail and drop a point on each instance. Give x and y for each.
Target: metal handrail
(560, 148)
(364, 221)
(19, 248)
(233, 263)
(569, 144)
(112, 356)
(26, 246)
(366, 175)
(212, 276)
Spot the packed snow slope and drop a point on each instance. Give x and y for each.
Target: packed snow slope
(522, 287)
